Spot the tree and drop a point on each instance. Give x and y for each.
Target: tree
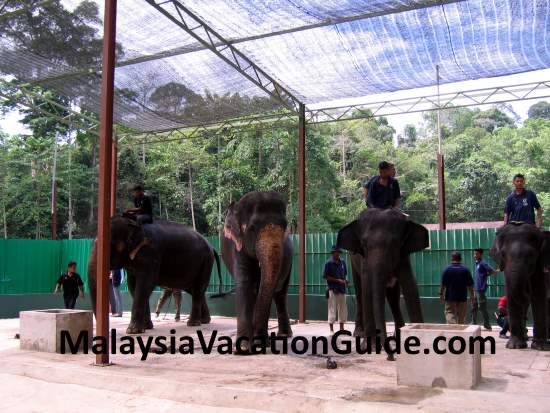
(540, 110)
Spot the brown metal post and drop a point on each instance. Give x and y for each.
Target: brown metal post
(105, 159)
(302, 211)
(441, 190)
(54, 210)
(114, 171)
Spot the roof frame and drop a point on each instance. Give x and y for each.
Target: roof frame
(213, 41)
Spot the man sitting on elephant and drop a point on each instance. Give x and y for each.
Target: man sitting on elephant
(143, 211)
(383, 190)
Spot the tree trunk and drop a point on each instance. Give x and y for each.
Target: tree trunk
(191, 198)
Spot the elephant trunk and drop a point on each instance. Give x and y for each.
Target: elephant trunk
(92, 268)
(269, 251)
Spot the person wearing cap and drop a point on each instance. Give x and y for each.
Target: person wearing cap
(383, 190)
(143, 211)
(335, 273)
(482, 272)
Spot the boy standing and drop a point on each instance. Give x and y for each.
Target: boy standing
(72, 284)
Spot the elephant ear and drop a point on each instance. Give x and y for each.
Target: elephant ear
(135, 239)
(349, 238)
(231, 228)
(416, 239)
(496, 252)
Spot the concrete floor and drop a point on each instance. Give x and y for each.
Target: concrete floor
(513, 380)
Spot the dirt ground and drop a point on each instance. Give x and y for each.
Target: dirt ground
(513, 380)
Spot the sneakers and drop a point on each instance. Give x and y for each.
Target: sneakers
(502, 335)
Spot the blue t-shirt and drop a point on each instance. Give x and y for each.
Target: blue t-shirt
(456, 279)
(521, 207)
(335, 270)
(483, 270)
(381, 196)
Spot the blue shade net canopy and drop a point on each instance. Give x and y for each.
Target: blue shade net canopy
(316, 50)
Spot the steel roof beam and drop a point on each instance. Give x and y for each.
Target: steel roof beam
(211, 40)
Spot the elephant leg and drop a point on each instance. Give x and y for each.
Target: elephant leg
(131, 281)
(177, 302)
(517, 301)
(282, 313)
(148, 321)
(410, 291)
(205, 312)
(245, 290)
(196, 307)
(538, 305)
(356, 273)
(369, 325)
(393, 295)
(140, 306)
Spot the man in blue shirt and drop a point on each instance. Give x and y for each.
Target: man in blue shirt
(521, 204)
(482, 271)
(383, 190)
(456, 280)
(335, 273)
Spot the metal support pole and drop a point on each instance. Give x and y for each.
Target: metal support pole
(114, 171)
(440, 163)
(105, 159)
(54, 191)
(302, 210)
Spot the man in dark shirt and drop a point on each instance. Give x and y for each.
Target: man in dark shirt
(456, 280)
(335, 273)
(383, 190)
(482, 271)
(143, 211)
(521, 204)
(72, 284)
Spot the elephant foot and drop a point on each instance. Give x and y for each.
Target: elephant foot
(358, 332)
(540, 345)
(193, 323)
(206, 320)
(134, 330)
(149, 325)
(516, 343)
(284, 332)
(390, 357)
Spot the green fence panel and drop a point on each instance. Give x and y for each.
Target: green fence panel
(28, 266)
(32, 266)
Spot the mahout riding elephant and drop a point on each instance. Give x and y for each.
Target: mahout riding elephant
(163, 253)
(383, 239)
(257, 251)
(523, 253)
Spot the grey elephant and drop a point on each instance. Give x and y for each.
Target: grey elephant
(523, 253)
(257, 250)
(163, 253)
(383, 238)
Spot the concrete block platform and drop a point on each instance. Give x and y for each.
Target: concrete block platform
(513, 380)
(40, 330)
(456, 371)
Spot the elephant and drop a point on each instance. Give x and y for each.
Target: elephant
(382, 240)
(258, 251)
(523, 253)
(163, 253)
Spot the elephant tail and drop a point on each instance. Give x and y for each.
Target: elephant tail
(220, 292)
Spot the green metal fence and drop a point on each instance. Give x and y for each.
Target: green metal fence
(30, 266)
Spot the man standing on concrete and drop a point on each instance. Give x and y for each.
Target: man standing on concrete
(482, 271)
(456, 280)
(115, 295)
(335, 273)
(166, 293)
(71, 283)
(521, 204)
